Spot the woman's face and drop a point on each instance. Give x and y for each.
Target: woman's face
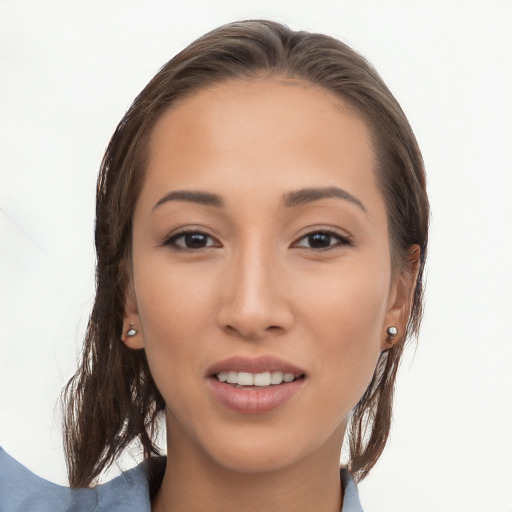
(261, 253)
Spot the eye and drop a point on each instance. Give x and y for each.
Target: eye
(321, 240)
(191, 240)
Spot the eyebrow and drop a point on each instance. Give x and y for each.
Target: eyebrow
(295, 198)
(307, 195)
(204, 198)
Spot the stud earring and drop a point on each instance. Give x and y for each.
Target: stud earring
(132, 332)
(392, 331)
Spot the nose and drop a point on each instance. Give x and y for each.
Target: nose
(254, 300)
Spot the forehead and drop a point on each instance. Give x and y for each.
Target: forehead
(245, 106)
(265, 133)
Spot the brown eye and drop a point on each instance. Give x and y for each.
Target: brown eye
(191, 240)
(322, 240)
(319, 240)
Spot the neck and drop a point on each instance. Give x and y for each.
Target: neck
(194, 482)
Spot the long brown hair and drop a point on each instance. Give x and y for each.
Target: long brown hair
(112, 399)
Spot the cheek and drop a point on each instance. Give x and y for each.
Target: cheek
(175, 313)
(347, 316)
(171, 298)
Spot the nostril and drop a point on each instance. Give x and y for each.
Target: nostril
(254, 321)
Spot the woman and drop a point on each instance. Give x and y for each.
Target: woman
(261, 237)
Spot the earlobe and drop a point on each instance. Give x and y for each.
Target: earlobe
(401, 299)
(132, 335)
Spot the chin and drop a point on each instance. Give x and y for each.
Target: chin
(260, 449)
(255, 459)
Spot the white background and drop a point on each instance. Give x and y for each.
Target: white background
(69, 70)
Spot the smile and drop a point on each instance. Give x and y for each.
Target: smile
(254, 385)
(264, 379)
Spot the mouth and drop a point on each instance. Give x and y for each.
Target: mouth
(256, 380)
(253, 386)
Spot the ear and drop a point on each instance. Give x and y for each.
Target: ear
(400, 298)
(132, 335)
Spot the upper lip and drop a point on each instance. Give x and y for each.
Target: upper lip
(260, 364)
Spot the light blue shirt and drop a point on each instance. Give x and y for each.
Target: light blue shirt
(22, 491)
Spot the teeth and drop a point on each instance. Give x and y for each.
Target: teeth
(276, 377)
(255, 379)
(262, 379)
(245, 379)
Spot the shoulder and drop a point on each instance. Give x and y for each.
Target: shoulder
(351, 501)
(23, 491)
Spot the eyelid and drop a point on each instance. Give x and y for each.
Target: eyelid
(189, 230)
(344, 239)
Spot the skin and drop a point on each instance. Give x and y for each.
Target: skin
(258, 287)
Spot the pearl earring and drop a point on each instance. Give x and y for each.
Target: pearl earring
(392, 331)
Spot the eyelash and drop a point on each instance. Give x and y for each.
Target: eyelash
(341, 240)
(171, 241)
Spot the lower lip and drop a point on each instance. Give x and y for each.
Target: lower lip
(254, 400)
